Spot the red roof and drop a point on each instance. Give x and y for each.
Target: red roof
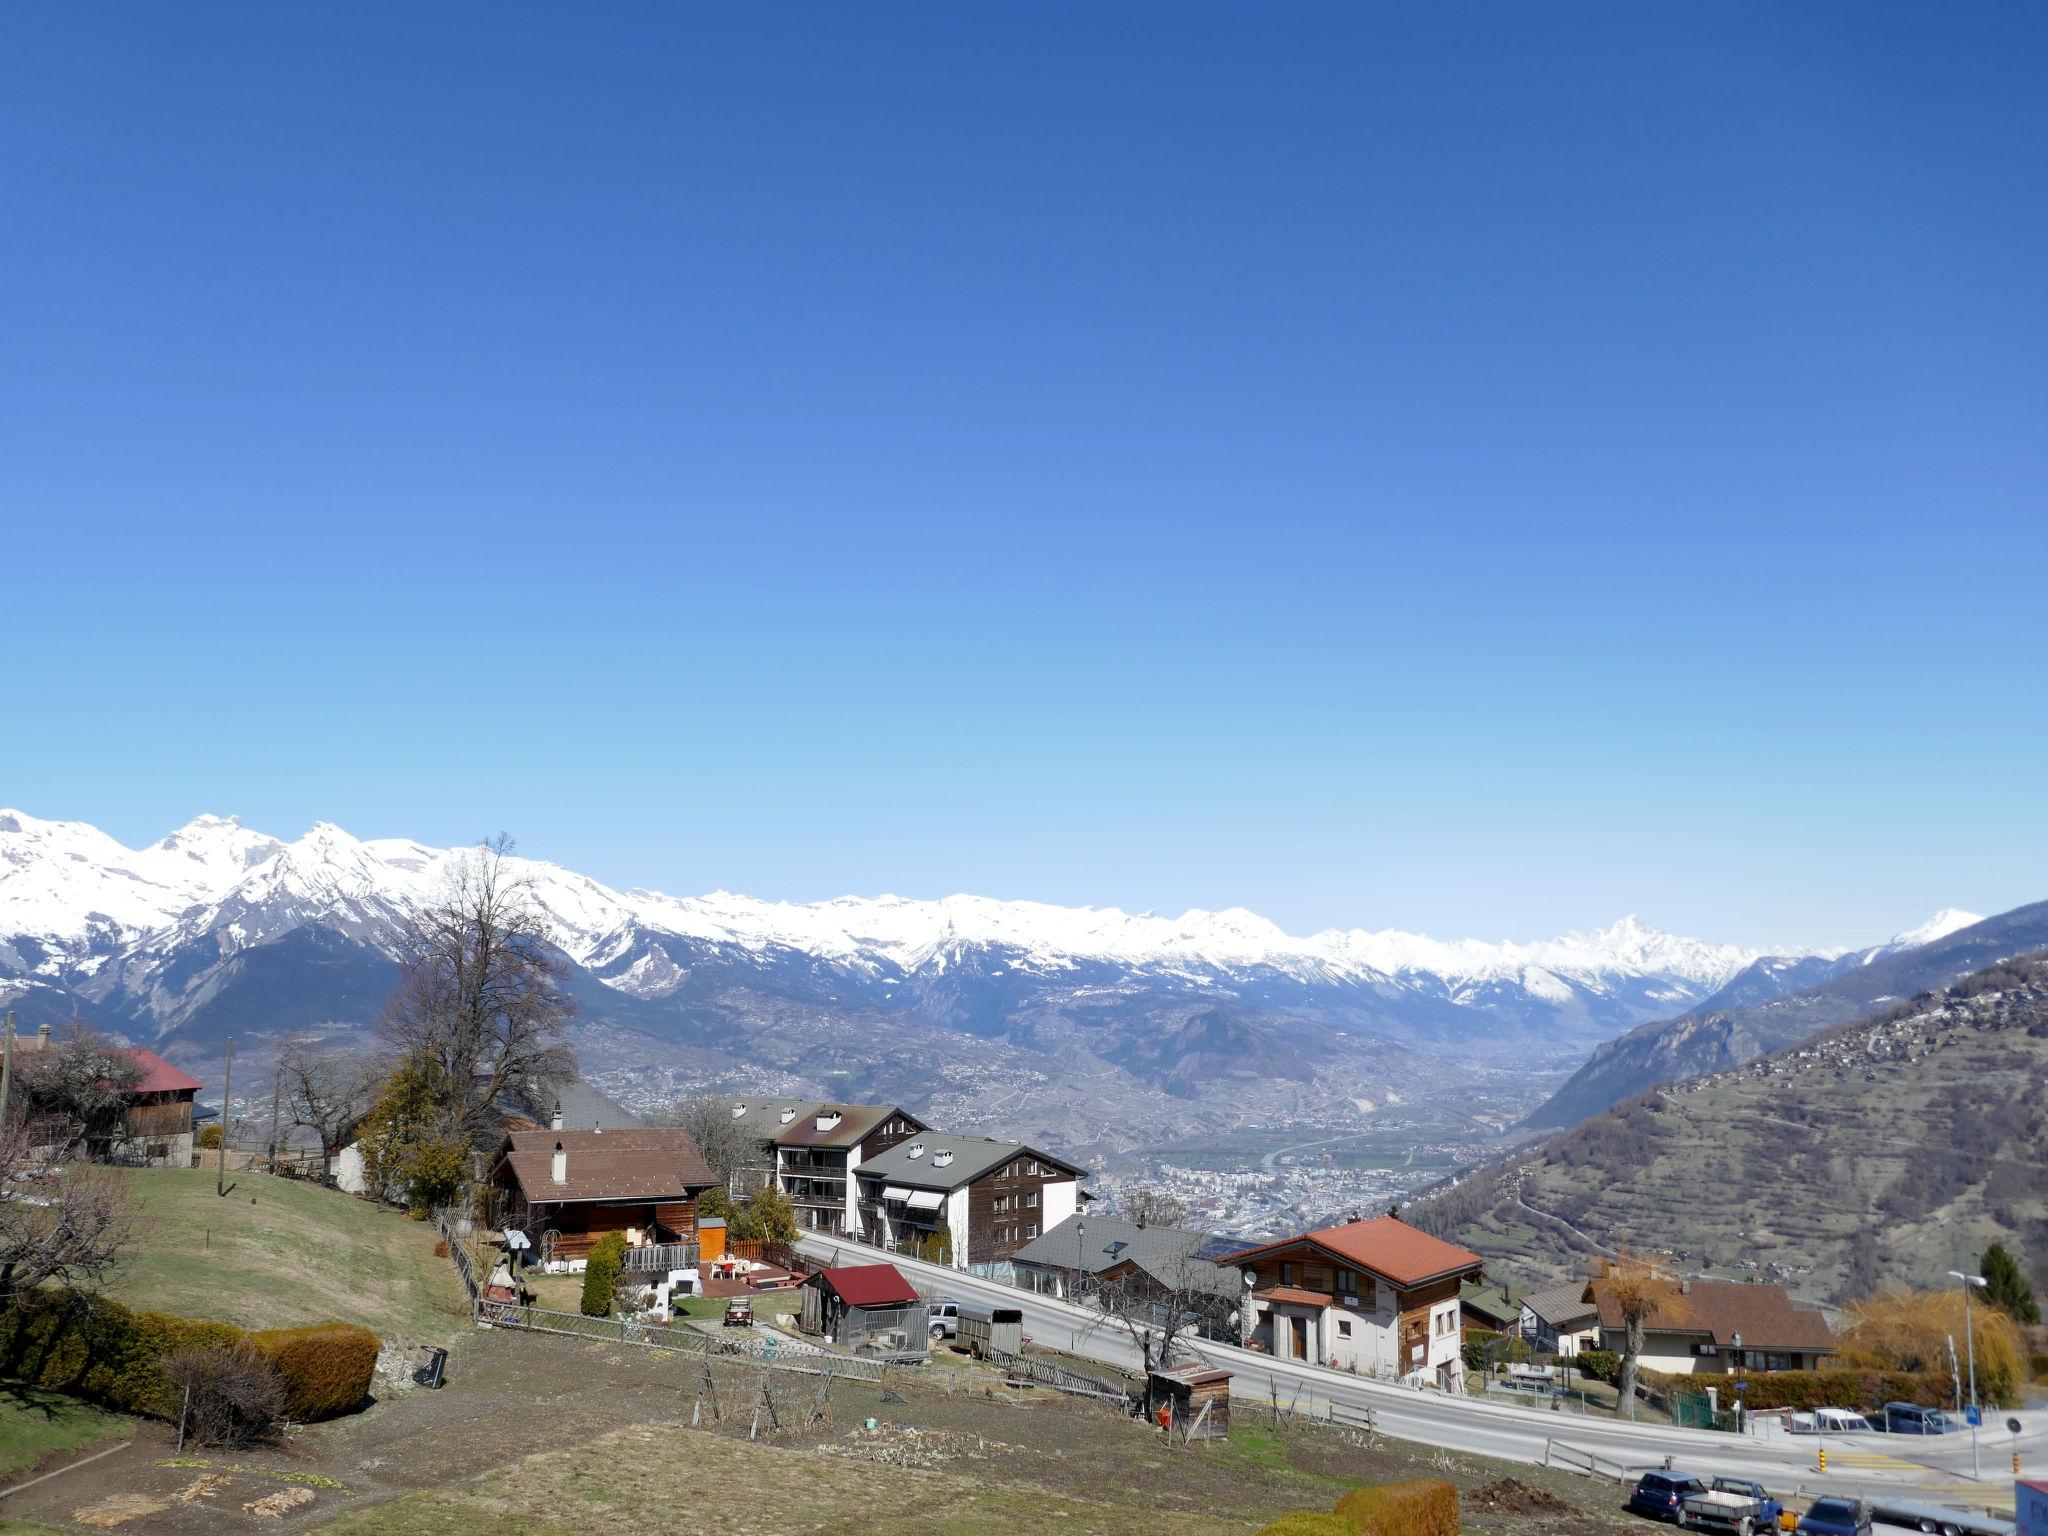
(158, 1075)
(1386, 1245)
(869, 1285)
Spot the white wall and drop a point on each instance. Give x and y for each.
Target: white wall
(956, 1218)
(349, 1172)
(1058, 1202)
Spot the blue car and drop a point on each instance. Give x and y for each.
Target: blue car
(1912, 1419)
(1662, 1495)
(1835, 1517)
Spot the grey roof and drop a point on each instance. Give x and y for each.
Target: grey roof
(583, 1107)
(1562, 1306)
(921, 1162)
(1108, 1241)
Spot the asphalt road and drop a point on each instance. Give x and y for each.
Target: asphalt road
(1867, 1466)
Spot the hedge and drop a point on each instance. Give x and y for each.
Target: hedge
(1859, 1389)
(1424, 1507)
(1598, 1365)
(326, 1368)
(100, 1350)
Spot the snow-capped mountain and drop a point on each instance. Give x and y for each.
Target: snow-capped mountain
(218, 929)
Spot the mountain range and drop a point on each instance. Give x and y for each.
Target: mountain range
(1149, 1023)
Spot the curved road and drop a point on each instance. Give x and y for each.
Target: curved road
(1869, 1466)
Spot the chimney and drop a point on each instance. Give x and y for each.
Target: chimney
(561, 1168)
(43, 1037)
(556, 1123)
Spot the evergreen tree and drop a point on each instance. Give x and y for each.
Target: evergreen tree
(2006, 1288)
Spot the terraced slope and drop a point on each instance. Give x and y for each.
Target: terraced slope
(1889, 1149)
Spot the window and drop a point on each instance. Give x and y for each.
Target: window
(1031, 1229)
(1031, 1200)
(1343, 1327)
(1287, 1272)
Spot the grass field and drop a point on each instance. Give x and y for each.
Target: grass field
(35, 1424)
(278, 1253)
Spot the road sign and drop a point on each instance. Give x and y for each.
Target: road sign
(1743, 1386)
(1973, 1416)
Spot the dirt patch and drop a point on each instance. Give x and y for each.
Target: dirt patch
(908, 1446)
(1512, 1496)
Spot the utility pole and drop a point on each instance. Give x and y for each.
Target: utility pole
(227, 1087)
(1966, 1281)
(276, 1100)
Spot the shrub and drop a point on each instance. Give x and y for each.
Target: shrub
(1598, 1365)
(601, 1272)
(1901, 1330)
(325, 1369)
(1309, 1522)
(209, 1138)
(1424, 1507)
(236, 1395)
(1838, 1387)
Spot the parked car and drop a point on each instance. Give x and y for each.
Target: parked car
(739, 1312)
(1835, 1517)
(1830, 1421)
(1912, 1419)
(945, 1318)
(1662, 1495)
(1734, 1505)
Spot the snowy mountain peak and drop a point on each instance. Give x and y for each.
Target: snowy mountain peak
(1945, 922)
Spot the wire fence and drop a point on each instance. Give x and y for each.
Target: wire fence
(770, 1350)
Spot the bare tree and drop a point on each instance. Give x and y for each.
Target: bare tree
(234, 1396)
(79, 1087)
(1639, 1291)
(480, 999)
(1164, 1303)
(733, 1152)
(59, 1223)
(327, 1092)
(1147, 1205)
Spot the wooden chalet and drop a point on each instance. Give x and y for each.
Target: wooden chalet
(581, 1185)
(1377, 1297)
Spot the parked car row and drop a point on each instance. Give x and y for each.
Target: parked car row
(1893, 1418)
(1736, 1506)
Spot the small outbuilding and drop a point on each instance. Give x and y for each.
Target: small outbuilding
(1190, 1401)
(868, 1309)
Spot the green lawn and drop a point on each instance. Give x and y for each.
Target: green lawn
(35, 1424)
(278, 1253)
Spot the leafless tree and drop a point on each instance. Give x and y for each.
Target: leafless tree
(236, 1394)
(1165, 1303)
(480, 998)
(327, 1092)
(59, 1222)
(79, 1088)
(734, 1152)
(1148, 1206)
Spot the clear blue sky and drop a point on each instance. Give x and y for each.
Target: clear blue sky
(1476, 468)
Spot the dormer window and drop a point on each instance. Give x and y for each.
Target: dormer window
(829, 1119)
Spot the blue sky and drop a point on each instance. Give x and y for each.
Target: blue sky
(1483, 469)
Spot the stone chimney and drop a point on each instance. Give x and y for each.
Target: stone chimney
(556, 1123)
(561, 1168)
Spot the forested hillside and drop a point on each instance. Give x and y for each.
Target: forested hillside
(1890, 1149)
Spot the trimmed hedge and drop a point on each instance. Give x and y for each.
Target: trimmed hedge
(100, 1350)
(1862, 1390)
(326, 1368)
(1425, 1507)
(1598, 1365)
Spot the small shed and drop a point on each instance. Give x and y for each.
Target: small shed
(989, 1330)
(868, 1309)
(1190, 1401)
(710, 1239)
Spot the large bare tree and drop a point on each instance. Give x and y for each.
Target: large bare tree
(61, 1223)
(1165, 1303)
(1147, 1205)
(327, 1092)
(733, 1151)
(480, 1000)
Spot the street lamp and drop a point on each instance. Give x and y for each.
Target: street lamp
(1735, 1343)
(1970, 1342)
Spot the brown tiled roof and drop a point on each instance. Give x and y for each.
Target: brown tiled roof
(1386, 1245)
(1294, 1294)
(855, 1122)
(641, 1163)
(1719, 1309)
